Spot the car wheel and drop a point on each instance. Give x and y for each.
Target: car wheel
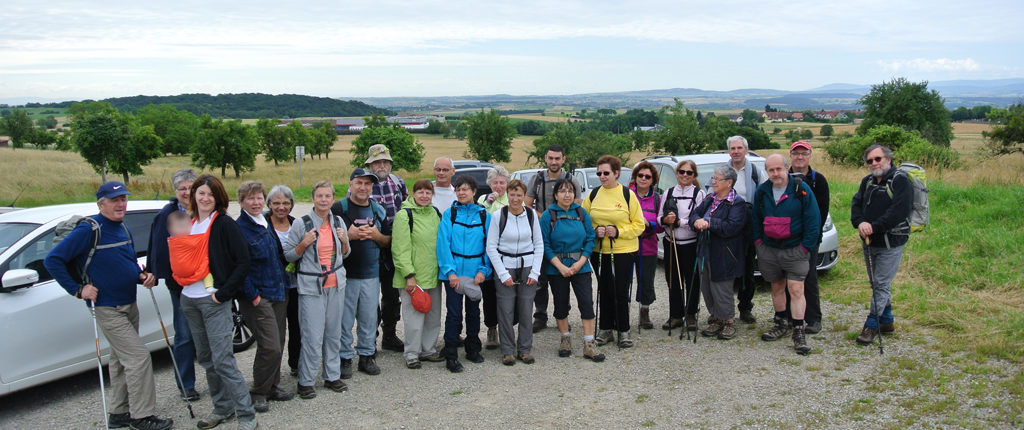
(242, 334)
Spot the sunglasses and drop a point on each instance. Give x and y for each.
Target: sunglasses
(644, 176)
(600, 173)
(871, 161)
(686, 172)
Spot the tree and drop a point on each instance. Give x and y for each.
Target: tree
(1007, 137)
(582, 147)
(681, 134)
(272, 140)
(297, 135)
(750, 118)
(406, 152)
(436, 127)
(177, 128)
(42, 139)
(18, 126)
(490, 136)
(907, 145)
(910, 106)
(807, 134)
(826, 130)
(323, 135)
(225, 143)
(47, 123)
(776, 130)
(114, 142)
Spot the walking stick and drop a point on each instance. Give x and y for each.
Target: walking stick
(174, 361)
(99, 361)
(871, 278)
(701, 240)
(615, 298)
(638, 265)
(678, 278)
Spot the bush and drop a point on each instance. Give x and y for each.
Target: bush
(906, 145)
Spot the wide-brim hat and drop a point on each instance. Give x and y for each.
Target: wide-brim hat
(379, 152)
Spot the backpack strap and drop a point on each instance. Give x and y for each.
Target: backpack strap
(408, 212)
(502, 221)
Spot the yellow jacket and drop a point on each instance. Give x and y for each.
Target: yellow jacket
(609, 208)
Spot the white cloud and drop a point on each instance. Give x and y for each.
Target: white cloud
(931, 65)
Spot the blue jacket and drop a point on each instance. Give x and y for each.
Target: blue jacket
(158, 258)
(113, 271)
(266, 277)
(725, 249)
(568, 235)
(801, 212)
(467, 237)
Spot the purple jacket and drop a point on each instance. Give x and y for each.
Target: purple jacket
(649, 204)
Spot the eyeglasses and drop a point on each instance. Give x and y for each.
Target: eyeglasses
(871, 161)
(442, 170)
(686, 172)
(183, 189)
(644, 176)
(565, 191)
(717, 179)
(800, 154)
(605, 173)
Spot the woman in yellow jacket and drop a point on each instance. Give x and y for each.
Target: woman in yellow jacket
(618, 221)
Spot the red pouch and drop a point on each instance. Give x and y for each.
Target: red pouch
(776, 227)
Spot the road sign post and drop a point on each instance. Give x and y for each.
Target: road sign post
(300, 153)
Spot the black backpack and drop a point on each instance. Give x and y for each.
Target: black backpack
(409, 213)
(64, 228)
(579, 216)
(625, 195)
(483, 226)
(504, 219)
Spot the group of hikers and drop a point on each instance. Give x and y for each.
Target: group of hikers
(325, 285)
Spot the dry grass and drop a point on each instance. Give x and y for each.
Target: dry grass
(538, 117)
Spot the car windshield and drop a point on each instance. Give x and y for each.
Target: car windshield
(12, 232)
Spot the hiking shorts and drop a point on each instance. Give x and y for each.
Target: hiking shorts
(776, 264)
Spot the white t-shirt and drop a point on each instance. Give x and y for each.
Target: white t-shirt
(197, 290)
(741, 180)
(443, 197)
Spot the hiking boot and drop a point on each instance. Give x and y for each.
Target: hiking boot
(475, 357)
(413, 363)
(624, 340)
(346, 368)
(565, 346)
(691, 322)
(279, 395)
(305, 391)
(672, 323)
(391, 342)
(867, 336)
(152, 422)
(590, 352)
(748, 317)
(492, 338)
(508, 359)
(116, 421)
(336, 385)
(539, 325)
(432, 358)
(190, 394)
(368, 365)
(248, 425)
(453, 365)
(813, 328)
(259, 403)
(800, 341)
(215, 419)
(604, 336)
(294, 372)
(645, 318)
(780, 330)
(526, 358)
(728, 330)
(887, 328)
(712, 329)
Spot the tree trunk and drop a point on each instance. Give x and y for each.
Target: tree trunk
(222, 170)
(125, 178)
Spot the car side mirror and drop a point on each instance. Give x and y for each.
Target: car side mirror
(16, 279)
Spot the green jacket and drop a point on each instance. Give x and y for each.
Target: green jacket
(415, 253)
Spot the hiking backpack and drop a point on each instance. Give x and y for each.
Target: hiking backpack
(504, 219)
(625, 195)
(579, 216)
(64, 228)
(918, 218)
(408, 211)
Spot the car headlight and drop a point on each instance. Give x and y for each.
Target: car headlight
(828, 224)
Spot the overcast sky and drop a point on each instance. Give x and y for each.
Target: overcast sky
(98, 49)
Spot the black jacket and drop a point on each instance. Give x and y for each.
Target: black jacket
(819, 185)
(725, 253)
(229, 258)
(873, 204)
(158, 259)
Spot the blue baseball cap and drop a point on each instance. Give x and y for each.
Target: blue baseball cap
(111, 189)
(360, 172)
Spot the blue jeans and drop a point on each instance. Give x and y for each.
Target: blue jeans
(886, 262)
(184, 348)
(360, 307)
(453, 322)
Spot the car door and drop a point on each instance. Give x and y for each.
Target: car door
(138, 224)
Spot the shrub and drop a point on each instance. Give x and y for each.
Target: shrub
(906, 145)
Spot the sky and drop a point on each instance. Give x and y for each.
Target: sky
(72, 50)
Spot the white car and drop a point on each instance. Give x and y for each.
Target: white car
(587, 177)
(46, 333)
(828, 251)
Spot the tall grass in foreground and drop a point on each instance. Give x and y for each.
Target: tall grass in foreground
(964, 276)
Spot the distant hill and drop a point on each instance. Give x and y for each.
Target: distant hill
(246, 105)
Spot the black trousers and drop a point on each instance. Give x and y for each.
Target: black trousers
(687, 255)
(811, 293)
(540, 300)
(294, 332)
(390, 309)
(613, 291)
(744, 285)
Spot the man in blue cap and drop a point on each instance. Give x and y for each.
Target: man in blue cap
(109, 282)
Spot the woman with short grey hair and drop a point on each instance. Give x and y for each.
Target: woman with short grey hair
(281, 201)
(497, 179)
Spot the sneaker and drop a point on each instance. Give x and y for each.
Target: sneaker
(116, 421)
(887, 328)
(645, 318)
(672, 323)
(867, 336)
(453, 365)
(780, 330)
(475, 357)
(800, 341)
(539, 325)
(691, 322)
(526, 358)
(748, 317)
(604, 336)
(713, 329)
(391, 342)
(346, 368)
(728, 330)
(812, 328)
(413, 363)
(190, 394)
(305, 391)
(508, 359)
(337, 385)
(294, 372)
(279, 395)
(624, 340)
(259, 403)
(214, 420)
(432, 358)
(492, 338)
(368, 365)
(151, 422)
(565, 346)
(590, 352)
(248, 425)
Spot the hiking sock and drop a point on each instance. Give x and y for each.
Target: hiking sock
(567, 334)
(798, 323)
(781, 315)
(588, 338)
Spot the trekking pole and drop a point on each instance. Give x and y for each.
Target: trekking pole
(871, 278)
(99, 361)
(678, 278)
(174, 361)
(698, 266)
(615, 297)
(638, 265)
